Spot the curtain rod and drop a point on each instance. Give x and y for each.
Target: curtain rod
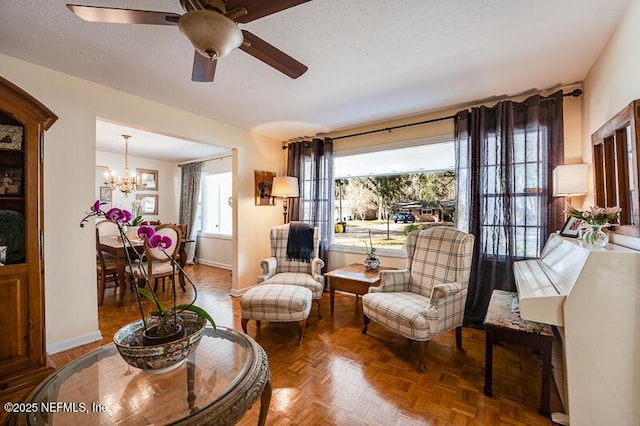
(574, 93)
(205, 159)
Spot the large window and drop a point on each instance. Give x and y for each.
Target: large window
(215, 212)
(528, 182)
(387, 193)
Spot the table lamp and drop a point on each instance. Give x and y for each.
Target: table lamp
(285, 187)
(570, 180)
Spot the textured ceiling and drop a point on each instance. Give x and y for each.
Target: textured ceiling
(368, 59)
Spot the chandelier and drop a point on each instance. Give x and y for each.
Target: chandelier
(127, 183)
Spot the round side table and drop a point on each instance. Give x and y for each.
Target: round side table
(221, 379)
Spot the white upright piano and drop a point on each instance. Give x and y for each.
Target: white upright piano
(592, 296)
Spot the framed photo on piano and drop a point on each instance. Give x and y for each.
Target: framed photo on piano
(571, 227)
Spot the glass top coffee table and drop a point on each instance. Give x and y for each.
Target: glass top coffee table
(219, 382)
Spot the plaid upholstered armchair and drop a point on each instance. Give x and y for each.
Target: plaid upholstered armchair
(282, 269)
(426, 298)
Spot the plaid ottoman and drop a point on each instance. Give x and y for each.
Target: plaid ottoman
(276, 303)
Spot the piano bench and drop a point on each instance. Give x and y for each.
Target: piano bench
(502, 324)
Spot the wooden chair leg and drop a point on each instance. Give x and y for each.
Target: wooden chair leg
(141, 282)
(366, 324)
(301, 325)
(459, 337)
(318, 303)
(243, 323)
(422, 354)
(101, 286)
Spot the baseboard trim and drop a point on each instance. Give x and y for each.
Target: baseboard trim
(216, 264)
(238, 293)
(54, 348)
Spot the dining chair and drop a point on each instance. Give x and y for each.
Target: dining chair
(184, 229)
(156, 264)
(106, 269)
(107, 228)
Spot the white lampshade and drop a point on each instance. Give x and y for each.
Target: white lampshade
(570, 180)
(285, 186)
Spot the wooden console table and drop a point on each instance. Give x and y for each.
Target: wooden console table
(354, 278)
(221, 379)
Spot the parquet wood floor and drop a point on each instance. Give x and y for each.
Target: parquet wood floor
(340, 377)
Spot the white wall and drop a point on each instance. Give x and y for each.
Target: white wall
(69, 169)
(611, 84)
(168, 184)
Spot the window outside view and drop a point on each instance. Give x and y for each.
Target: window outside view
(214, 212)
(391, 193)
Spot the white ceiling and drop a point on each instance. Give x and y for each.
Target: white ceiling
(147, 144)
(368, 59)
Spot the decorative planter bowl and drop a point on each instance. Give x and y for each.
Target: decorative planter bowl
(372, 263)
(160, 358)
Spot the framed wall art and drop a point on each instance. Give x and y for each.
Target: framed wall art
(148, 178)
(11, 137)
(263, 184)
(105, 194)
(11, 180)
(148, 203)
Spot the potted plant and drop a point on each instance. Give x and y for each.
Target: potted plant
(595, 219)
(163, 339)
(372, 261)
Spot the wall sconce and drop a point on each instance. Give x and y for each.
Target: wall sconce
(285, 187)
(570, 180)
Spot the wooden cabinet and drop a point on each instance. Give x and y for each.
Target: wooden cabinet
(23, 120)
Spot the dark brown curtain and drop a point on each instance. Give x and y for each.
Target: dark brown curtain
(312, 163)
(505, 156)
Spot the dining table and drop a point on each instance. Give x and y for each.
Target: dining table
(113, 245)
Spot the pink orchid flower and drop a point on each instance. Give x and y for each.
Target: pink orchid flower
(161, 242)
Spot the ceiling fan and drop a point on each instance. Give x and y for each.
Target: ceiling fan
(211, 26)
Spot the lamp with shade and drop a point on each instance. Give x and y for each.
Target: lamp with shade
(570, 180)
(285, 187)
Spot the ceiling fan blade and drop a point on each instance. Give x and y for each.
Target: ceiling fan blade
(272, 56)
(123, 16)
(257, 9)
(203, 68)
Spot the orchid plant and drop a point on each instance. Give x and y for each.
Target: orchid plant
(167, 317)
(370, 250)
(135, 214)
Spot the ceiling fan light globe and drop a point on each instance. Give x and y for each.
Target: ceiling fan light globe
(210, 31)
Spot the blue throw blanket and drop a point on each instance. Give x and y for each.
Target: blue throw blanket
(300, 242)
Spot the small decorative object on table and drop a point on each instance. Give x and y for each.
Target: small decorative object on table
(161, 342)
(372, 261)
(594, 220)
